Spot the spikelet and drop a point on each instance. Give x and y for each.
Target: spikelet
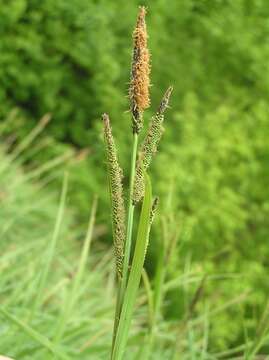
(149, 146)
(139, 185)
(139, 84)
(116, 193)
(154, 206)
(153, 210)
(165, 100)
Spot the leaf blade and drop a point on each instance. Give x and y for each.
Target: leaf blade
(135, 274)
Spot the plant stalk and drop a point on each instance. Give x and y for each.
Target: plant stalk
(128, 244)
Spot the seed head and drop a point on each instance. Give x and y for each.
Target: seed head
(139, 185)
(116, 194)
(154, 207)
(153, 210)
(149, 146)
(165, 100)
(139, 84)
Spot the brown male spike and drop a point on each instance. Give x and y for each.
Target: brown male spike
(116, 193)
(139, 84)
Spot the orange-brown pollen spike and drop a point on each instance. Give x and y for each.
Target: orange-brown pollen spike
(140, 82)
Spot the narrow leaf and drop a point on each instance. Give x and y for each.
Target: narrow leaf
(39, 338)
(135, 274)
(72, 297)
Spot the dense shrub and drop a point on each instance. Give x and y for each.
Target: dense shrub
(55, 57)
(219, 175)
(72, 58)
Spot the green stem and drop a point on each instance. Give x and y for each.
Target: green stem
(128, 243)
(127, 249)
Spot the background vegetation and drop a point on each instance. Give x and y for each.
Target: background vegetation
(71, 59)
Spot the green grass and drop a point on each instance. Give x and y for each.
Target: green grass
(75, 312)
(57, 298)
(60, 299)
(49, 277)
(135, 275)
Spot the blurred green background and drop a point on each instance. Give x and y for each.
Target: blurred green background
(72, 59)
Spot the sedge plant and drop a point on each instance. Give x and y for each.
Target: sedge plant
(129, 272)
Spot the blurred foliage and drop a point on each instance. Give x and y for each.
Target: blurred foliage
(72, 59)
(221, 195)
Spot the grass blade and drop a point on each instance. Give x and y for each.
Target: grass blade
(71, 300)
(52, 246)
(135, 274)
(26, 142)
(42, 340)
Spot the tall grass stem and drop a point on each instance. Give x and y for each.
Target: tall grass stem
(135, 274)
(128, 243)
(52, 247)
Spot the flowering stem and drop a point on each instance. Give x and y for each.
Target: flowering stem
(127, 249)
(128, 243)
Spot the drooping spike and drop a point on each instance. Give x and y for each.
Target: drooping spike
(116, 194)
